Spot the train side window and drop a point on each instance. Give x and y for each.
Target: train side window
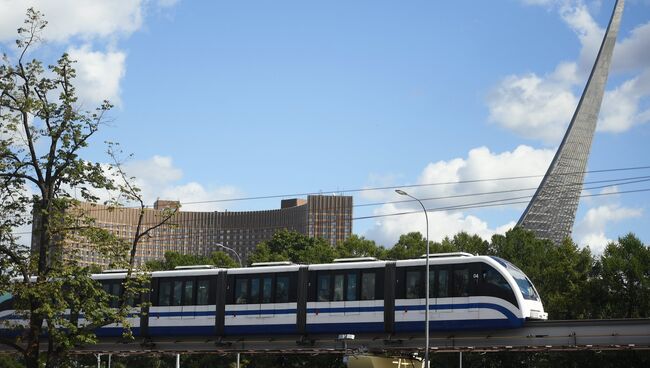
(413, 284)
(188, 292)
(351, 292)
(241, 290)
(461, 282)
(323, 287)
(267, 289)
(5, 301)
(282, 289)
(164, 293)
(202, 292)
(177, 293)
(255, 291)
(442, 283)
(368, 286)
(339, 284)
(117, 290)
(432, 283)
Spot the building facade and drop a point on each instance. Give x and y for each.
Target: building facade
(202, 233)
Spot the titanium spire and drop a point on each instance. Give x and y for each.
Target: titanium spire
(552, 210)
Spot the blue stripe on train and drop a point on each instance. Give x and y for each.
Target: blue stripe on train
(182, 314)
(261, 311)
(345, 310)
(260, 329)
(503, 310)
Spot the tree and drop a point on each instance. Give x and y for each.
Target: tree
(286, 245)
(561, 273)
(626, 277)
(463, 242)
(175, 259)
(411, 245)
(43, 131)
(356, 246)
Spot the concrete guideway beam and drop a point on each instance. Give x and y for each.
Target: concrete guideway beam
(619, 334)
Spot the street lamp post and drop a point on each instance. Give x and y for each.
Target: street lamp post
(240, 265)
(426, 302)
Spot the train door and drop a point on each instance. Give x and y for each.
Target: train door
(337, 306)
(443, 301)
(282, 292)
(189, 304)
(462, 279)
(176, 308)
(254, 305)
(352, 303)
(266, 296)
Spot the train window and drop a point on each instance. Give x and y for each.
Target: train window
(255, 291)
(5, 301)
(443, 282)
(432, 283)
(164, 293)
(267, 288)
(413, 284)
(117, 290)
(202, 292)
(177, 293)
(461, 282)
(368, 286)
(351, 292)
(241, 291)
(323, 288)
(282, 289)
(339, 282)
(188, 292)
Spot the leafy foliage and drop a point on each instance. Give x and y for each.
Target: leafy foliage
(43, 131)
(175, 259)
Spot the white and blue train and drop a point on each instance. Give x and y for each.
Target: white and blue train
(347, 296)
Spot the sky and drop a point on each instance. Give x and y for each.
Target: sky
(223, 100)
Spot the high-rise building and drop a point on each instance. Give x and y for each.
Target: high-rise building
(551, 212)
(200, 233)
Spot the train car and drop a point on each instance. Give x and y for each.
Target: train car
(264, 295)
(347, 296)
(465, 292)
(182, 302)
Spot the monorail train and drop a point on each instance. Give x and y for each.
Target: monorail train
(348, 296)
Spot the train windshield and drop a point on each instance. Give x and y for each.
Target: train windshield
(4, 297)
(524, 284)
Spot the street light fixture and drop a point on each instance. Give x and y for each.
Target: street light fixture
(233, 251)
(426, 302)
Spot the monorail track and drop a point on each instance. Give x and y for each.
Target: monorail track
(570, 335)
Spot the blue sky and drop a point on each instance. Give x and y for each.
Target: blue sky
(229, 99)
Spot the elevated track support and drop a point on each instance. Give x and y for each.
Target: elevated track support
(622, 334)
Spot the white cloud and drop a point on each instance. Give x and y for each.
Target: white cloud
(590, 231)
(98, 75)
(535, 107)
(85, 28)
(523, 161)
(158, 178)
(72, 18)
(540, 107)
(621, 106)
(633, 52)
